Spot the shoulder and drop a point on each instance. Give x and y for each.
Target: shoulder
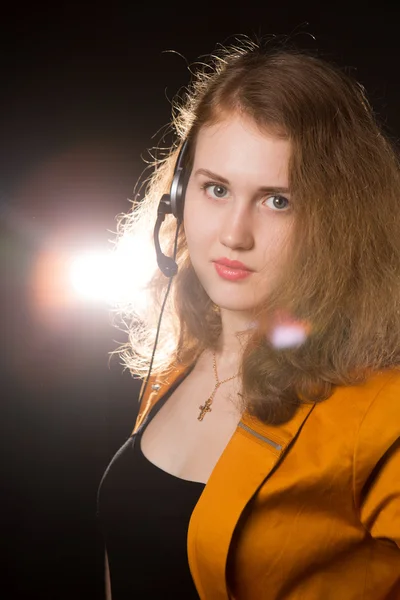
(365, 417)
(376, 464)
(382, 408)
(376, 400)
(379, 387)
(379, 427)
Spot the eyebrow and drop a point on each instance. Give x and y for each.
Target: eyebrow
(268, 188)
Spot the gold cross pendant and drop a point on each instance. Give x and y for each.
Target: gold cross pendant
(204, 409)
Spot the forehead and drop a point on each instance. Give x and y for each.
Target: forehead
(236, 145)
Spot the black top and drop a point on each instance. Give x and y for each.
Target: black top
(144, 514)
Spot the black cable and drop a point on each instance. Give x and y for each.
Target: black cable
(160, 317)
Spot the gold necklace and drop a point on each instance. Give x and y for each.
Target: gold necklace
(207, 405)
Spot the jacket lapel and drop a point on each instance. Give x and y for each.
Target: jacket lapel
(156, 388)
(250, 457)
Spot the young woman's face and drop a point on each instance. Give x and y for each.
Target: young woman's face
(238, 208)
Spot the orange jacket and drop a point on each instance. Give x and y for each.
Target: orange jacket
(308, 510)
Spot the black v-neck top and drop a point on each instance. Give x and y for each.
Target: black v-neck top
(144, 514)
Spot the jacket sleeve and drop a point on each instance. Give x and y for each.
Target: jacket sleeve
(377, 464)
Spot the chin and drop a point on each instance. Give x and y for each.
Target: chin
(232, 301)
(233, 296)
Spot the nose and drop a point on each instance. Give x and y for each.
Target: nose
(236, 229)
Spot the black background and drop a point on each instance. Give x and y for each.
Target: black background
(84, 87)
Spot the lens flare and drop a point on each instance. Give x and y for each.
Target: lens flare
(288, 332)
(115, 277)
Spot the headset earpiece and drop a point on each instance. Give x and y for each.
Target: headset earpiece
(178, 186)
(171, 203)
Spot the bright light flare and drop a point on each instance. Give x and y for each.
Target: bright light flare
(115, 277)
(288, 336)
(91, 275)
(288, 332)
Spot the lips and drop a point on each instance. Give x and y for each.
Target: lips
(232, 270)
(233, 264)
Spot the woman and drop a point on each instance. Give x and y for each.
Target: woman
(265, 458)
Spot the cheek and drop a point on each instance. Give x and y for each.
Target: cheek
(196, 241)
(200, 240)
(191, 229)
(277, 248)
(196, 221)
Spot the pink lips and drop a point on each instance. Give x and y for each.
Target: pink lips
(232, 270)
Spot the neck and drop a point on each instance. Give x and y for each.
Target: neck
(231, 341)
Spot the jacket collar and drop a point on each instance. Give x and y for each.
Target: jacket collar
(155, 389)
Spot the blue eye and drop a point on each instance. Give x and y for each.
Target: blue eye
(279, 203)
(215, 190)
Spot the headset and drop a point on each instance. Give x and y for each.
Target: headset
(172, 203)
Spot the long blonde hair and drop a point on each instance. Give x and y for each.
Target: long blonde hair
(343, 275)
